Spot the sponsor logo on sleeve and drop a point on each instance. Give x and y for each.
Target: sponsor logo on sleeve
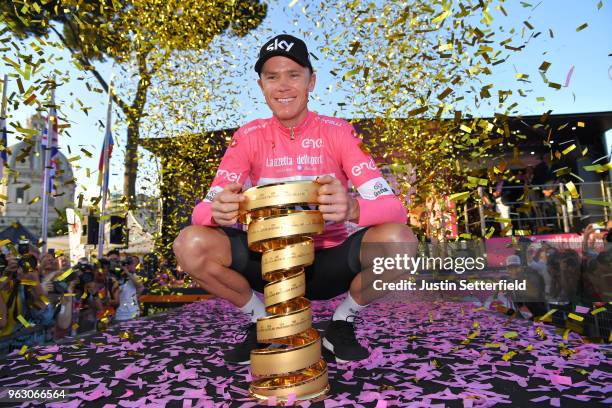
(233, 177)
(358, 169)
(374, 188)
(212, 193)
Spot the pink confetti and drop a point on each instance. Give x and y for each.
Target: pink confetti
(560, 380)
(569, 77)
(127, 371)
(181, 361)
(582, 309)
(98, 392)
(128, 393)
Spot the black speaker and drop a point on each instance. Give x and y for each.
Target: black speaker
(118, 230)
(92, 230)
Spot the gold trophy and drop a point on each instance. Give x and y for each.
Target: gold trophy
(291, 367)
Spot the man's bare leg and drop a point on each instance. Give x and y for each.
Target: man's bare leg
(205, 254)
(398, 236)
(340, 334)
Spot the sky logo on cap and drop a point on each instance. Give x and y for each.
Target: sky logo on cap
(280, 45)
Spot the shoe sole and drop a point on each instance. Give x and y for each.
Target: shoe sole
(330, 347)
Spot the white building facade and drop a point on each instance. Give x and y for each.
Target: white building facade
(24, 183)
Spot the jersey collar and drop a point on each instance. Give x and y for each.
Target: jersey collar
(296, 129)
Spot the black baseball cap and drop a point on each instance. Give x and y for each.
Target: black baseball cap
(284, 45)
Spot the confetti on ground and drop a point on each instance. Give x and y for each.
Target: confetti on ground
(176, 357)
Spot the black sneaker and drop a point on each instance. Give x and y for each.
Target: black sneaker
(240, 353)
(340, 339)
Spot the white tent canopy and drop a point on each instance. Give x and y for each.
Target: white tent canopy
(140, 241)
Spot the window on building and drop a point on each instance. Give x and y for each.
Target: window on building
(20, 195)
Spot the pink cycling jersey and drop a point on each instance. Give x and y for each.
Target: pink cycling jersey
(264, 152)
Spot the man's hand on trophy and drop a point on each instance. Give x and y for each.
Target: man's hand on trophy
(225, 204)
(335, 203)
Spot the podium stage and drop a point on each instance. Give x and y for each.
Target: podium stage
(420, 357)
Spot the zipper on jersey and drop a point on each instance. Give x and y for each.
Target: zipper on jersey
(292, 134)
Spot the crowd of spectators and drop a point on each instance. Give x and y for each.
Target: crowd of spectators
(45, 298)
(559, 277)
(530, 199)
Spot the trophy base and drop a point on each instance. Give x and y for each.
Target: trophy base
(308, 384)
(282, 400)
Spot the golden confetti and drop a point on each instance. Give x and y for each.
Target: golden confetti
(575, 317)
(541, 333)
(547, 315)
(64, 275)
(34, 200)
(568, 149)
(509, 355)
(28, 282)
(459, 196)
(23, 321)
(566, 333)
(571, 187)
(582, 27)
(596, 202)
(544, 66)
(511, 335)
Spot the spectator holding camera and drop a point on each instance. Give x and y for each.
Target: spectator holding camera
(11, 299)
(66, 320)
(540, 263)
(23, 300)
(130, 287)
(70, 289)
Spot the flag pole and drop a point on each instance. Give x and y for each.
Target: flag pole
(106, 169)
(4, 91)
(47, 146)
(3, 143)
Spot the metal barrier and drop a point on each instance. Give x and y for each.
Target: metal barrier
(559, 212)
(35, 335)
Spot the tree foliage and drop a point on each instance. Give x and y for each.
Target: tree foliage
(145, 33)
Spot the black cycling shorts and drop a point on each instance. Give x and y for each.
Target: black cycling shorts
(330, 275)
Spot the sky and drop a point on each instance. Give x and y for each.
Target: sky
(581, 60)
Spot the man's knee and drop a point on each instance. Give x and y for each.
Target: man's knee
(189, 240)
(201, 244)
(387, 241)
(390, 233)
